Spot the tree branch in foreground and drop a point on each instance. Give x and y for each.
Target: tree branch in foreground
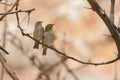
(110, 25)
(8, 70)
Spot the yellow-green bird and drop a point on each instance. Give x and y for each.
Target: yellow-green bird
(38, 33)
(48, 37)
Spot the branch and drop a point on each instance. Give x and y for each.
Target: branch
(9, 10)
(112, 11)
(18, 11)
(3, 50)
(4, 38)
(111, 26)
(8, 70)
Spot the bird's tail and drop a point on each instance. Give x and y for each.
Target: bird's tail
(44, 50)
(43, 42)
(36, 45)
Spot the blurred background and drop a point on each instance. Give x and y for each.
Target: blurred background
(79, 31)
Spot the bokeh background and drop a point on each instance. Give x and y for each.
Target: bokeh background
(79, 31)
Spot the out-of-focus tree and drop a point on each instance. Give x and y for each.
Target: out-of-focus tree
(86, 33)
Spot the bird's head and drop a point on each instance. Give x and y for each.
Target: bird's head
(38, 23)
(49, 27)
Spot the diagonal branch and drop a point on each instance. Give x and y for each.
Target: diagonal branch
(111, 26)
(8, 70)
(3, 50)
(9, 10)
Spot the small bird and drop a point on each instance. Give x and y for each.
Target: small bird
(38, 33)
(48, 37)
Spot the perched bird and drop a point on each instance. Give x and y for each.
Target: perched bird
(48, 37)
(38, 33)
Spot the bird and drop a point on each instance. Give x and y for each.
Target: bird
(48, 37)
(38, 33)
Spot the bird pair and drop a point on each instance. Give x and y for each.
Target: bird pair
(46, 36)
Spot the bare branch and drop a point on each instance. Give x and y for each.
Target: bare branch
(111, 26)
(18, 11)
(4, 38)
(8, 70)
(9, 10)
(112, 11)
(4, 50)
(2, 59)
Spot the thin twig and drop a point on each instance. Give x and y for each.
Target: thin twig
(4, 50)
(18, 11)
(1, 18)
